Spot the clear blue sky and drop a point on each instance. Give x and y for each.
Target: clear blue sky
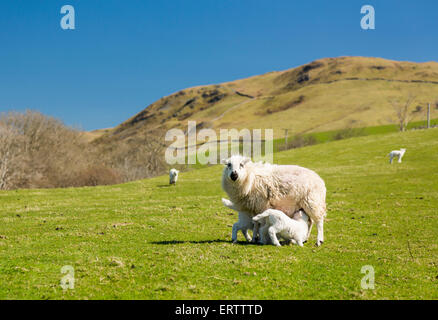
(124, 55)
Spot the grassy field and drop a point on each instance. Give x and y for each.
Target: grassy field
(146, 240)
(329, 136)
(323, 137)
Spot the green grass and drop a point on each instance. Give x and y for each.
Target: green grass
(151, 241)
(322, 137)
(328, 136)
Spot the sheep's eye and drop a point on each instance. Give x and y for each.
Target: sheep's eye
(241, 165)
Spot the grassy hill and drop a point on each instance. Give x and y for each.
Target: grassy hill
(324, 95)
(147, 240)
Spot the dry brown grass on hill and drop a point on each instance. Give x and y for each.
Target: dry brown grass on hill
(327, 94)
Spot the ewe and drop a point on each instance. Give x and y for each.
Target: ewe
(256, 187)
(277, 223)
(396, 153)
(173, 176)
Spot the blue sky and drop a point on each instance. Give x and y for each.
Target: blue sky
(124, 55)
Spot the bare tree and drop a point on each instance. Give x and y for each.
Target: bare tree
(11, 172)
(37, 151)
(136, 159)
(40, 151)
(403, 112)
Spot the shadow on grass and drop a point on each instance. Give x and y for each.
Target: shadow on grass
(168, 242)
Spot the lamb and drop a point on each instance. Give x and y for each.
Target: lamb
(173, 176)
(277, 223)
(255, 187)
(396, 153)
(244, 223)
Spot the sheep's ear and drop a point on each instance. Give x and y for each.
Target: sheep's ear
(249, 183)
(246, 160)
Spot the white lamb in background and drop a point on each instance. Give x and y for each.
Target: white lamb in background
(276, 223)
(244, 223)
(396, 154)
(173, 176)
(256, 187)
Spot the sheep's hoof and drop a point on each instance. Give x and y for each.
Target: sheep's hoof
(319, 243)
(304, 241)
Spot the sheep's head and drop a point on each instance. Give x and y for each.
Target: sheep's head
(235, 167)
(174, 172)
(301, 215)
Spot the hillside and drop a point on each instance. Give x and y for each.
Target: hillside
(146, 240)
(326, 94)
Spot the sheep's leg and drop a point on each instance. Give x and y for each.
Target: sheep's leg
(315, 208)
(310, 230)
(390, 159)
(246, 234)
(320, 228)
(255, 232)
(399, 159)
(236, 227)
(264, 234)
(273, 235)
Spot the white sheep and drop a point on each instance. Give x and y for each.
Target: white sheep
(396, 154)
(173, 176)
(276, 223)
(244, 223)
(256, 187)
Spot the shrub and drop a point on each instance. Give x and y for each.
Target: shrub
(348, 133)
(298, 141)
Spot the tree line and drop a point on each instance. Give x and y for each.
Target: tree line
(37, 151)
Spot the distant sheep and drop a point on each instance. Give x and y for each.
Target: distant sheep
(396, 154)
(244, 223)
(276, 223)
(173, 176)
(256, 187)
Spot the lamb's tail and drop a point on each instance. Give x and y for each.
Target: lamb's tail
(261, 216)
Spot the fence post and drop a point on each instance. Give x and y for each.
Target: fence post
(285, 136)
(428, 116)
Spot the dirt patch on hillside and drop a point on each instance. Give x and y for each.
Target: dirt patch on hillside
(297, 77)
(267, 109)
